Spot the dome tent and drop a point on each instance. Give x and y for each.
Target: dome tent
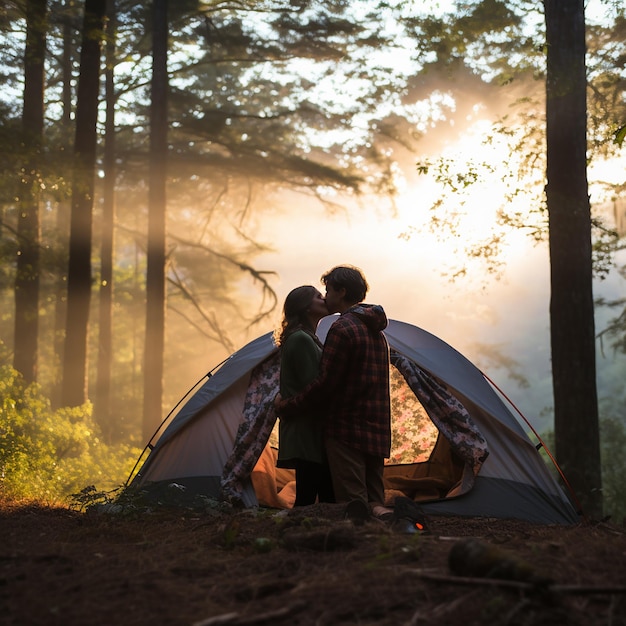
(456, 446)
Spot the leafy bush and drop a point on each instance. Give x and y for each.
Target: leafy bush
(48, 455)
(612, 446)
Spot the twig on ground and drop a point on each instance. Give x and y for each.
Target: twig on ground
(515, 584)
(217, 620)
(248, 620)
(522, 604)
(440, 610)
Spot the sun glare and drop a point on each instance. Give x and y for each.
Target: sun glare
(425, 230)
(454, 206)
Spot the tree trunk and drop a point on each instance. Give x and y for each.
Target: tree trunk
(79, 266)
(26, 331)
(571, 305)
(63, 209)
(102, 405)
(155, 278)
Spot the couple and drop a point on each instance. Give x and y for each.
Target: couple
(334, 404)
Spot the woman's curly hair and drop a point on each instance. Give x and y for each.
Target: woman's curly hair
(295, 310)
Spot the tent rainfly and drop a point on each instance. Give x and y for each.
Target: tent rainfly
(457, 449)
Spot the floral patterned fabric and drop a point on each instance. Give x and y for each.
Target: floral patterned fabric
(253, 433)
(413, 435)
(446, 412)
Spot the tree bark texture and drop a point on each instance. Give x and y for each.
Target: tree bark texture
(79, 266)
(572, 326)
(102, 404)
(27, 277)
(155, 276)
(63, 206)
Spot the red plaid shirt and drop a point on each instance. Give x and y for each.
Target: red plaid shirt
(352, 387)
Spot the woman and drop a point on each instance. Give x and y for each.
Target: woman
(301, 444)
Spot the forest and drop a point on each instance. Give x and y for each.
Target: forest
(142, 141)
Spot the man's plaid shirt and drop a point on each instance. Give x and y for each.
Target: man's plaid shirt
(352, 388)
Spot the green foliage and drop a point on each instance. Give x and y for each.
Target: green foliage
(612, 446)
(131, 501)
(48, 455)
(615, 330)
(90, 496)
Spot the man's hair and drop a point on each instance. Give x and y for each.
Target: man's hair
(349, 278)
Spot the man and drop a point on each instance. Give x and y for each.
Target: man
(352, 390)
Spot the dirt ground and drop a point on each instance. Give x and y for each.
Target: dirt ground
(309, 566)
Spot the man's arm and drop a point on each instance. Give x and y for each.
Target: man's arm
(333, 364)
